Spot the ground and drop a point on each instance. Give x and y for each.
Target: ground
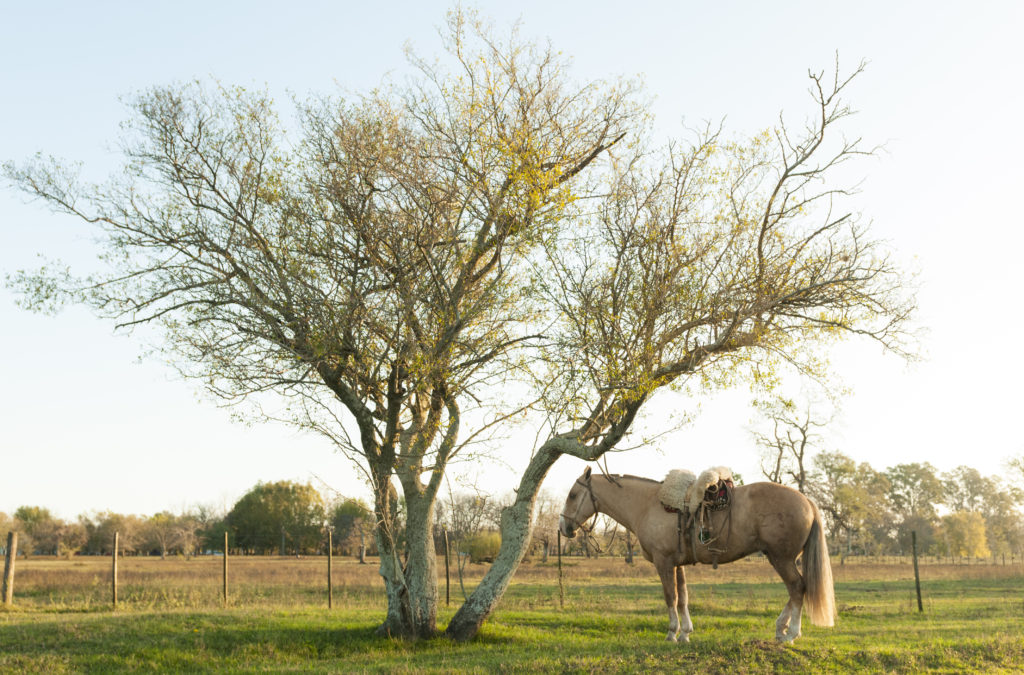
(171, 617)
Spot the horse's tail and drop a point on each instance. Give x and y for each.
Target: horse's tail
(819, 596)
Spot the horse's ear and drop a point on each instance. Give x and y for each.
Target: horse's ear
(586, 473)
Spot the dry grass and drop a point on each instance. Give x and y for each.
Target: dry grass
(84, 582)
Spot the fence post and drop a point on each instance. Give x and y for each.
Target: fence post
(12, 553)
(917, 576)
(225, 568)
(330, 584)
(113, 571)
(561, 589)
(447, 573)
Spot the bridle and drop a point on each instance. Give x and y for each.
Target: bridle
(577, 525)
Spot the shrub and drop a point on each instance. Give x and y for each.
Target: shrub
(483, 547)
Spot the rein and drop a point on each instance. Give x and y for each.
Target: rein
(593, 502)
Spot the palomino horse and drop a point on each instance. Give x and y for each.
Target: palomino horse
(767, 517)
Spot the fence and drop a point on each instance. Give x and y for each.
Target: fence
(10, 552)
(236, 580)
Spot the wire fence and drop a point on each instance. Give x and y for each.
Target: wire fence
(227, 577)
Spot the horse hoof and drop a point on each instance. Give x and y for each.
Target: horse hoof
(686, 638)
(671, 638)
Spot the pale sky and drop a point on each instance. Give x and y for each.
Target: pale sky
(85, 426)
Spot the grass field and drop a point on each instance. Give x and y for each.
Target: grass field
(170, 617)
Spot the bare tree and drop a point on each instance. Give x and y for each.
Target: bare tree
(786, 449)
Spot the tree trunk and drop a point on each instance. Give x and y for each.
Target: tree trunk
(516, 529)
(411, 589)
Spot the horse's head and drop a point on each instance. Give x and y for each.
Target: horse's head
(579, 506)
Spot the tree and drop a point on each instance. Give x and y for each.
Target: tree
(369, 269)
(420, 248)
(854, 499)
(278, 517)
(963, 533)
(785, 451)
(915, 491)
(41, 527)
(101, 527)
(167, 532)
(702, 264)
(352, 521)
(965, 489)
(549, 509)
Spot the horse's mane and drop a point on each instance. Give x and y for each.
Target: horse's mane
(630, 476)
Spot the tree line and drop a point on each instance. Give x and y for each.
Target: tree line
(958, 513)
(282, 518)
(276, 518)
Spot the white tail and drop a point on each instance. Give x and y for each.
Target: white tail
(819, 596)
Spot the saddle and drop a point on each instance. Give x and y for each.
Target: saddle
(681, 491)
(691, 499)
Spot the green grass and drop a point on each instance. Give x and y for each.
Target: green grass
(609, 624)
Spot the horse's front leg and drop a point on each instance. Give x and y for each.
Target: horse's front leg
(683, 605)
(666, 570)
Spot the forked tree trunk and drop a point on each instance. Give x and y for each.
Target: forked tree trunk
(516, 530)
(411, 589)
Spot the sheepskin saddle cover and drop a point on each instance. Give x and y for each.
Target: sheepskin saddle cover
(684, 491)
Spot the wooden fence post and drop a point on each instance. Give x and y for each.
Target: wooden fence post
(225, 568)
(113, 571)
(561, 589)
(447, 573)
(9, 557)
(330, 583)
(917, 576)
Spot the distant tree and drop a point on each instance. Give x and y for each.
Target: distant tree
(210, 526)
(8, 524)
(189, 529)
(854, 500)
(1016, 467)
(545, 529)
(965, 489)
(278, 516)
(166, 532)
(101, 527)
(352, 520)
(915, 489)
(38, 523)
(996, 499)
(786, 449)
(915, 492)
(962, 533)
(71, 538)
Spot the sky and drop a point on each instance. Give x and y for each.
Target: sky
(89, 423)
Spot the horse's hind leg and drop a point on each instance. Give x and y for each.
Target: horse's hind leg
(683, 605)
(668, 584)
(787, 626)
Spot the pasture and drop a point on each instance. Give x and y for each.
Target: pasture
(171, 617)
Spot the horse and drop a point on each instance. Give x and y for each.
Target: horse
(762, 517)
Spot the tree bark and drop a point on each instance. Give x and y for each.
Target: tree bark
(411, 589)
(516, 529)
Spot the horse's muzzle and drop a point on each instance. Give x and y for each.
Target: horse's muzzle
(565, 529)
